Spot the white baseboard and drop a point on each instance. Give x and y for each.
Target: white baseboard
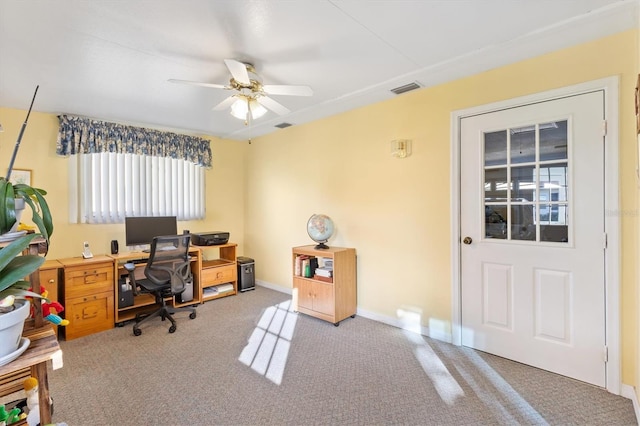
(630, 392)
(274, 287)
(395, 322)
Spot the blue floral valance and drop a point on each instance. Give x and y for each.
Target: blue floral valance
(84, 135)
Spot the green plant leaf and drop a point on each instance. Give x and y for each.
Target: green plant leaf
(7, 206)
(13, 266)
(39, 207)
(18, 268)
(20, 293)
(15, 248)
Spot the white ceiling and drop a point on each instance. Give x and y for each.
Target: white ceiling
(111, 59)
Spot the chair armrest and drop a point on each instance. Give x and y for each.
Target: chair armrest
(131, 268)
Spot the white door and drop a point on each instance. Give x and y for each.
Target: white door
(532, 224)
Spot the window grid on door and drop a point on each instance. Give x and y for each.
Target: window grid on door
(526, 185)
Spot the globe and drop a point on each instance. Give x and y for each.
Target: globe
(320, 229)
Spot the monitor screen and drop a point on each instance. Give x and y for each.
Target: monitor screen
(141, 230)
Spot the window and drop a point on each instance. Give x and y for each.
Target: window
(117, 171)
(112, 186)
(526, 183)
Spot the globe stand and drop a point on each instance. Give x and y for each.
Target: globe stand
(321, 246)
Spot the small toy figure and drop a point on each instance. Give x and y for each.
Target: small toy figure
(6, 304)
(33, 401)
(7, 418)
(52, 316)
(47, 312)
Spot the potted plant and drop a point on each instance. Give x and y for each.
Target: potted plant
(14, 266)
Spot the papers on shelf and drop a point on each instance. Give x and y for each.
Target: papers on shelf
(217, 289)
(210, 291)
(223, 288)
(325, 262)
(324, 272)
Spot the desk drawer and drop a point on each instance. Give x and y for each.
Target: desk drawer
(218, 275)
(83, 281)
(88, 315)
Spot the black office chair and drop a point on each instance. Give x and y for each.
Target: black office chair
(168, 275)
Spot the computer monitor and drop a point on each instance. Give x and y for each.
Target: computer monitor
(139, 231)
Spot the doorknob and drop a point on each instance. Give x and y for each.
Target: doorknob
(467, 240)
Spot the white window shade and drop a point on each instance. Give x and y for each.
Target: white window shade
(107, 187)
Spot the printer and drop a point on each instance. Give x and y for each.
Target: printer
(209, 238)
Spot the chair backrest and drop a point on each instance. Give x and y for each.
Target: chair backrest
(169, 262)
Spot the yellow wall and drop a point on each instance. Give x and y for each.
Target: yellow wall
(396, 212)
(224, 184)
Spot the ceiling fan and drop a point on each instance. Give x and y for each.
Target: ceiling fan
(251, 99)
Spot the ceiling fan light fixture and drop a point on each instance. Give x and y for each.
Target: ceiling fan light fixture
(256, 109)
(240, 108)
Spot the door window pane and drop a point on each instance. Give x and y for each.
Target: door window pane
(554, 228)
(495, 225)
(523, 145)
(495, 148)
(523, 183)
(495, 184)
(522, 222)
(553, 141)
(553, 182)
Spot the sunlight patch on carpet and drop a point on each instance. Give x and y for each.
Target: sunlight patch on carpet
(268, 346)
(503, 398)
(444, 383)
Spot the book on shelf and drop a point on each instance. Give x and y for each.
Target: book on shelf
(297, 268)
(308, 266)
(321, 278)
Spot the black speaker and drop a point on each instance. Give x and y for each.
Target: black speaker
(114, 246)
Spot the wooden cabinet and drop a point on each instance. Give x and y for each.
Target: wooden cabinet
(88, 296)
(128, 309)
(332, 299)
(219, 273)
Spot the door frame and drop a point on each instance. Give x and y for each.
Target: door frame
(611, 204)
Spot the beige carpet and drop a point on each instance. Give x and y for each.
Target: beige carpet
(249, 360)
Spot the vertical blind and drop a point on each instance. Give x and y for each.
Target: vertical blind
(117, 171)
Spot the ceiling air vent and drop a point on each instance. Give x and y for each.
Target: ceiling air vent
(406, 88)
(283, 125)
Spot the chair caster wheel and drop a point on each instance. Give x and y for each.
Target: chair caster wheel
(172, 329)
(192, 315)
(137, 332)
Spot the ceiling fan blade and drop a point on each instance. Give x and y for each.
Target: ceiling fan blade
(274, 106)
(238, 70)
(226, 103)
(275, 89)
(197, 83)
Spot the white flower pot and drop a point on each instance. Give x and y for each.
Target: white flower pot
(11, 325)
